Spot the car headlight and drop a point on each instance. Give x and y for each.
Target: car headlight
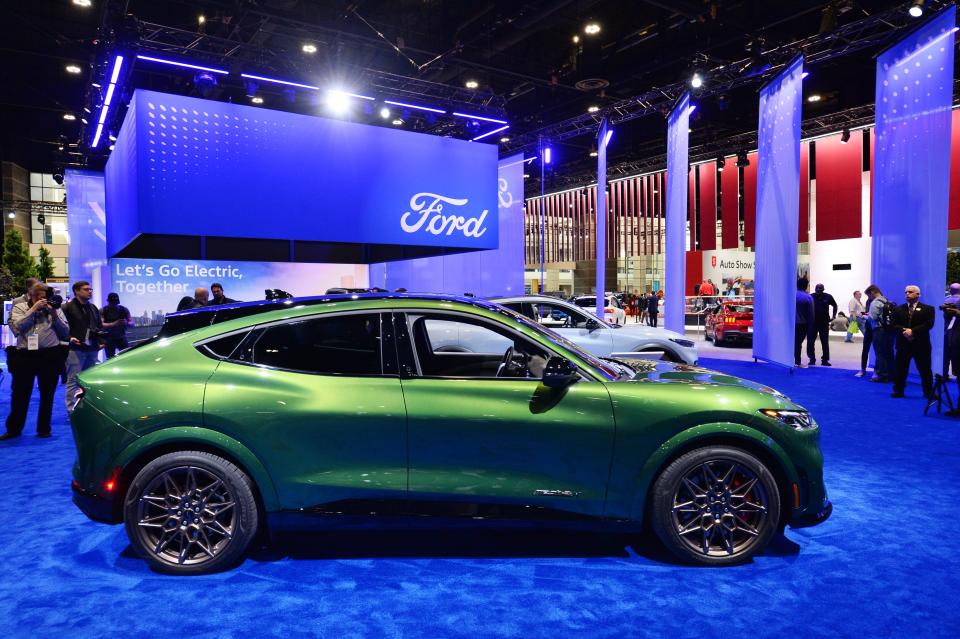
(683, 342)
(795, 419)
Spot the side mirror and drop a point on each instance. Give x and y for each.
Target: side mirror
(592, 324)
(559, 372)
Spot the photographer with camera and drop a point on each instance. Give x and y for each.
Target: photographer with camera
(39, 325)
(86, 333)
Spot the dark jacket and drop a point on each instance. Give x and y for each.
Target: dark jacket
(223, 300)
(804, 309)
(822, 302)
(921, 322)
(85, 324)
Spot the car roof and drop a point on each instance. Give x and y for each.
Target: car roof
(188, 320)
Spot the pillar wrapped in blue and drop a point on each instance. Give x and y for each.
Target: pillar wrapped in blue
(778, 191)
(911, 170)
(675, 265)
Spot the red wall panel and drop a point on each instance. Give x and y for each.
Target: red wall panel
(955, 172)
(729, 205)
(694, 273)
(839, 190)
(708, 206)
(692, 207)
(750, 200)
(803, 220)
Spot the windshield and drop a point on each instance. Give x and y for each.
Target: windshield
(603, 367)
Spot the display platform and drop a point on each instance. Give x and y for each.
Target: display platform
(882, 566)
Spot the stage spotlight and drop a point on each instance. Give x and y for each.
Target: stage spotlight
(82, 3)
(591, 28)
(576, 39)
(504, 140)
(256, 99)
(547, 155)
(69, 117)
(112, 138)
(250, 87)
(696, 81)
(206, 83)
(845, 136)
(201, 19)
(593, 151)
(384, 113)
(721, 162)
(309, 48)
(593, 108)
(397, 122)
(742, 159)
(111, 147)
(58, 176)
(526, 176)
(12, 215)
(471, 84)
(816, 97)
(338, 102)
(74, 69)
(916, 9)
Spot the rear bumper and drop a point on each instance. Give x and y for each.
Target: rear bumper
(736, 335)
(96, 507)
(814, 519)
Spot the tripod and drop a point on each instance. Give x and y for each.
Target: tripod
(941, 391)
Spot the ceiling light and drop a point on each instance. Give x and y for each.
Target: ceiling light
(814, 98)
(526, 175)
(256, 99)
(111, 147)
(338, 102)
(112, 138)
(82, 3)
(309, 48)
(547, 155)
(74, 69)
(504, 139)
(721, 162)
(576, 39)
(384, 113)
(593, 151)
(69, 117)
(84, 120)
(397, 122)
(12, 215)
(593, 108)
(916, 9)
(471, 84)
(845, 136)
(201, 19)
(696, 81)
(592, 28)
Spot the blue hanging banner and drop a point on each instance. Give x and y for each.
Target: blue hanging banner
(678, 164)
(911, 170)
(778, 191)
(87, 225)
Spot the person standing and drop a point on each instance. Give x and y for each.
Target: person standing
(867, 329)
(216, 289)
(200, 298)
(86, 330)
(854, 310)
(912, 323)
(116, 319)
(804, 327)
(951, 334)
(653, 309)
(824, 312)
(38, 327)
(642, 306)
(881, 317)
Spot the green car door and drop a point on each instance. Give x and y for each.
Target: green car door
(312, 399)
(478, 434)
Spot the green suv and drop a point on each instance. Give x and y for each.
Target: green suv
(263, 416)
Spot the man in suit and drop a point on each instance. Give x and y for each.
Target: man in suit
(653, 309)
(912, 323)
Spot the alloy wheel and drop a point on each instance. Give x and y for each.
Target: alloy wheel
(720, 508)
(186, 515)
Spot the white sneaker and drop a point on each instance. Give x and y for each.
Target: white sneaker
(859, 374)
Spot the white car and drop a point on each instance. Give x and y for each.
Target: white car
(601, 338)
(612, 311)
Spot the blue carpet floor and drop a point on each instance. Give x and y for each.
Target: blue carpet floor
(883, 566)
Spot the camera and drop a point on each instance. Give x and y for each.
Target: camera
(53, 299)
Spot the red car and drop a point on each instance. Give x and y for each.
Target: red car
(730, 322)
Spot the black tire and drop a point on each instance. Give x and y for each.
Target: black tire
(204, 523)
(692, 533)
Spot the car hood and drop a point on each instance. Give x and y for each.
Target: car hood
(662, 372)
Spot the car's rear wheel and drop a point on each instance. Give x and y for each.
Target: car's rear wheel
(191, 512)
(715, 506)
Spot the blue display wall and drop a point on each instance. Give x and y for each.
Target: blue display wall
(185, 166)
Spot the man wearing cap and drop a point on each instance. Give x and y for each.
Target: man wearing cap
(116, 319)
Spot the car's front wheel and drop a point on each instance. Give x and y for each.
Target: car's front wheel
(191, 512)
(715, 506)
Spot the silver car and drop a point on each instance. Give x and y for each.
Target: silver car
(599, 337)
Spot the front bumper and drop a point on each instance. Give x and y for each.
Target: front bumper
(96, 507)
(814, 519)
